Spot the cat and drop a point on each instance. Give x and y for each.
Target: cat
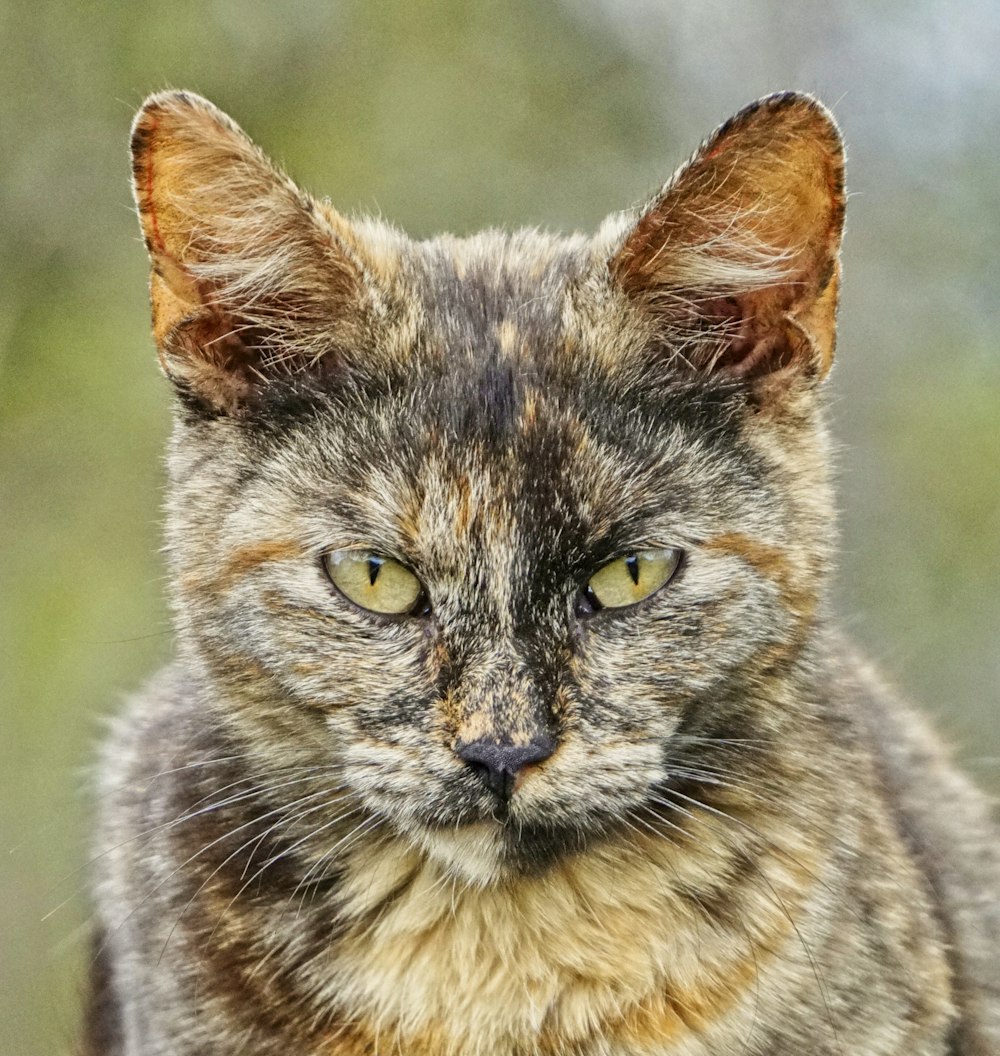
(508, 715)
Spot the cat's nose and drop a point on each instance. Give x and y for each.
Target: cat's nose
(498, 765)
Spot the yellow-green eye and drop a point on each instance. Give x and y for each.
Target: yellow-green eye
(376, 583)
(630, 579)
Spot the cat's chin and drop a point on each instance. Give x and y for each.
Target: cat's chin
(486, 852)
(473, 853)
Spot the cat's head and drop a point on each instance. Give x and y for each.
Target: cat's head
(496, 531)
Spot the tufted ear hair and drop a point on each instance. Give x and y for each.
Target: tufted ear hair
(251, 278)
(736, 260)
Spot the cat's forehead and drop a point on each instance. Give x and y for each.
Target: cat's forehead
(506, 405)
(502, 339)
(505, 293)
(502, 455)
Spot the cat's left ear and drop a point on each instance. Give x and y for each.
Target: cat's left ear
(736, 261)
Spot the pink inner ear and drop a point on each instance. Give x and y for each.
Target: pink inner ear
(736, 349)
(746, 346)
(766, 355)
(736, 339)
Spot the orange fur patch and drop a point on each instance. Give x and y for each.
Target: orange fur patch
(244, 560)
(773, 563)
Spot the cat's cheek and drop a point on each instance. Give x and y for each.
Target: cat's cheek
(724, 614)
(596, 774)
(633, 671)
(330, 662)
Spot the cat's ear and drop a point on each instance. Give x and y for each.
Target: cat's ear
(251, 278)
(737, 259)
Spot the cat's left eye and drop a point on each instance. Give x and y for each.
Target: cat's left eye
(628, 580)
(375, 583)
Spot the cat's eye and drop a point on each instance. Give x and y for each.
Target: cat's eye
(628, 580)
(375, 583)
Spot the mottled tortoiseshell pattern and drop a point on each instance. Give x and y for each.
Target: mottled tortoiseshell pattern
(741, 844)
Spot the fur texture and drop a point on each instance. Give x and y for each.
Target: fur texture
(741, 843)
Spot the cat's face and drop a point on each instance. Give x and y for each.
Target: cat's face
(498, 419)
(502, 466)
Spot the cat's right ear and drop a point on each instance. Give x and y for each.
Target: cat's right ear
(736, 261)
(251, 278)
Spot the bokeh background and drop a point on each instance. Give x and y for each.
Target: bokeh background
(454, 114)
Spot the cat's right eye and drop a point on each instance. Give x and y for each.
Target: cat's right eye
(375, 583)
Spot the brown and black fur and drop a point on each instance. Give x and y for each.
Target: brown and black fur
(741, 843)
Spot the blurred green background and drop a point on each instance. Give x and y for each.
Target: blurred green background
(446, 114)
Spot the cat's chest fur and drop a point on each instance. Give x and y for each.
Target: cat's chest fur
(610, 952)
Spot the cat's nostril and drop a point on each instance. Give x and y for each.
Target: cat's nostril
(499, 764)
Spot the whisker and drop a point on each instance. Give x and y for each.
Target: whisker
(226, 835)
(188, 815)
(271, 861)
(283, 819)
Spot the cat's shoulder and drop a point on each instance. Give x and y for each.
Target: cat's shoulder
(949, 826)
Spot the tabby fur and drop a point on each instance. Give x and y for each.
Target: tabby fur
(742, 844)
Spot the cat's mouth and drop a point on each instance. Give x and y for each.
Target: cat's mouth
(485, 852)
(483, 833)
(486, 845)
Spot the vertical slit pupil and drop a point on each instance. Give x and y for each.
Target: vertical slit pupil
(374, 564)
(632, 564)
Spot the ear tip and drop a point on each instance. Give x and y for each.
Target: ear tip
(793, 124)
(172, 108)
(173, 100)
(171, 117)
(792, 112)
(793, 99)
